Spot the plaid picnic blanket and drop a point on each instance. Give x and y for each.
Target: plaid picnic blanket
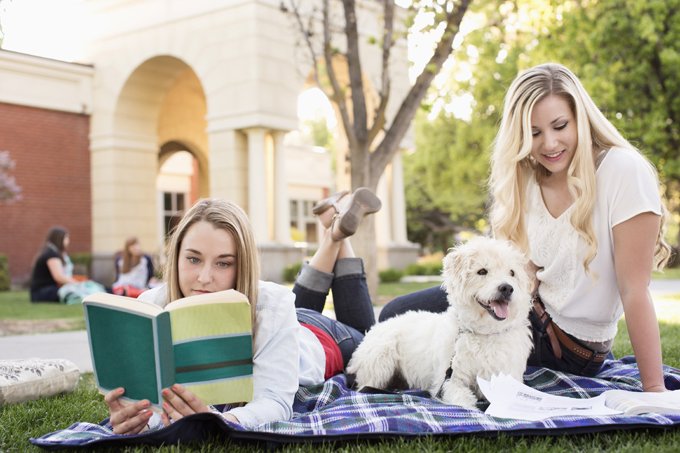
(332, 411)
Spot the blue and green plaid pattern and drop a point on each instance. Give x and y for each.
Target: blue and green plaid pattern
(332, 411)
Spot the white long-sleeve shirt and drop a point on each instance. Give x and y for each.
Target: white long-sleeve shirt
(286, 355)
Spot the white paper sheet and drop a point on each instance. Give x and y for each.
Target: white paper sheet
(512, 399)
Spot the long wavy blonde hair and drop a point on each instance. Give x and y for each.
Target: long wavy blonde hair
(227, 216)
(512, 168)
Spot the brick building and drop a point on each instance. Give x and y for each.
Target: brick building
(45, 124)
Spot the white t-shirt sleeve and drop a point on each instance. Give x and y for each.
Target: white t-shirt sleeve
(276, 359)
(157, 295)
(633, 187)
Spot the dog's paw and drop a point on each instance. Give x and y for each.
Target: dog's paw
(459, 396)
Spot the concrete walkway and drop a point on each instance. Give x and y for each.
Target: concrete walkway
(73, 345)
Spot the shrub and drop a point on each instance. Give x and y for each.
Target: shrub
(414, 269)
(424, 268)
(82, 263)
(291, 272)
(390, 275)
(5, 281)
(433, 268)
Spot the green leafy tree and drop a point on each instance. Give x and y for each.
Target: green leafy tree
(446, 178)
(318, 132)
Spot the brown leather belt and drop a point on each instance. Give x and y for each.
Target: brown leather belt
(559, 339)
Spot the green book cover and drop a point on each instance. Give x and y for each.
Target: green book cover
(202, 342)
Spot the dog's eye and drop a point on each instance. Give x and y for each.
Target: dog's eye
(512, 273)
(482, 271)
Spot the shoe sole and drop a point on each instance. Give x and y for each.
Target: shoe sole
(364, 202)
(326, 204)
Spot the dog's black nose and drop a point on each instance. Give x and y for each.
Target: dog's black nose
(506, 290)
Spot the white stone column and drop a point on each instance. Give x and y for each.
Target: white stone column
(123, 176)
(398, 211)
(281, 202)
(257, 184)
(228, 165)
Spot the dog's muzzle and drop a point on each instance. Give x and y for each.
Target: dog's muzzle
(498, 306)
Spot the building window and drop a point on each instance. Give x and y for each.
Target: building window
(302, 221)
(173, 209)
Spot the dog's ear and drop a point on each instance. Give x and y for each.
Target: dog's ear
(456, 263)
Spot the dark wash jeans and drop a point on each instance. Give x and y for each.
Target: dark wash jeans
(351, 301)
(45, 294)
(434, 300)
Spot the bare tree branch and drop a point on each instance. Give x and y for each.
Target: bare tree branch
(387, 42)
(306, 32)
(356, 82)
(338, 93)
(389, 145)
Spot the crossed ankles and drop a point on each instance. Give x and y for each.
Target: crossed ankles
(347, 215)
(328, 208)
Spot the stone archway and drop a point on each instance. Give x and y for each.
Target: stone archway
(236, 64)
(159, 108)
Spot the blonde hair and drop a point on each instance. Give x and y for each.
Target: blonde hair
(227, 216)
(512, 168)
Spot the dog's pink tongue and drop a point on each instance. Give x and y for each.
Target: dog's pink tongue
(500, 308)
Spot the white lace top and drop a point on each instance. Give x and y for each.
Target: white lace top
(589, 306)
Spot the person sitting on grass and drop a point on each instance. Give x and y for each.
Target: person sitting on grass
(134, 270)
(52, 267)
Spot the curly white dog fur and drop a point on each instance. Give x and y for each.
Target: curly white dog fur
(484, 332)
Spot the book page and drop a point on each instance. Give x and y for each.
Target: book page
(123, 303)
(633, 403)
(210, 315)
(212, 343)
(229, 295)
(509, 398)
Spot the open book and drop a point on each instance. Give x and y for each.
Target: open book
(512, 399)
(203, 342)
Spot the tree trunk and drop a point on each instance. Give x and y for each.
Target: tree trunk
(365, 247)
(364, 240)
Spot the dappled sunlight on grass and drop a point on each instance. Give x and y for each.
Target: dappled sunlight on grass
(667, 274)
(668, 308)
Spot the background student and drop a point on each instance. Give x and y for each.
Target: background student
(52, 267)
(134, 270)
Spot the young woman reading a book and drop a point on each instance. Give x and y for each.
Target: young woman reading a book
(584, 204)
(213, 249)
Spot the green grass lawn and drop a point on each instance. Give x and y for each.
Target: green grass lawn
(16, 305)
(667, 274)
(18, 422)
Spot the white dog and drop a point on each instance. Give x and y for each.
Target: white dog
(484, 332)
